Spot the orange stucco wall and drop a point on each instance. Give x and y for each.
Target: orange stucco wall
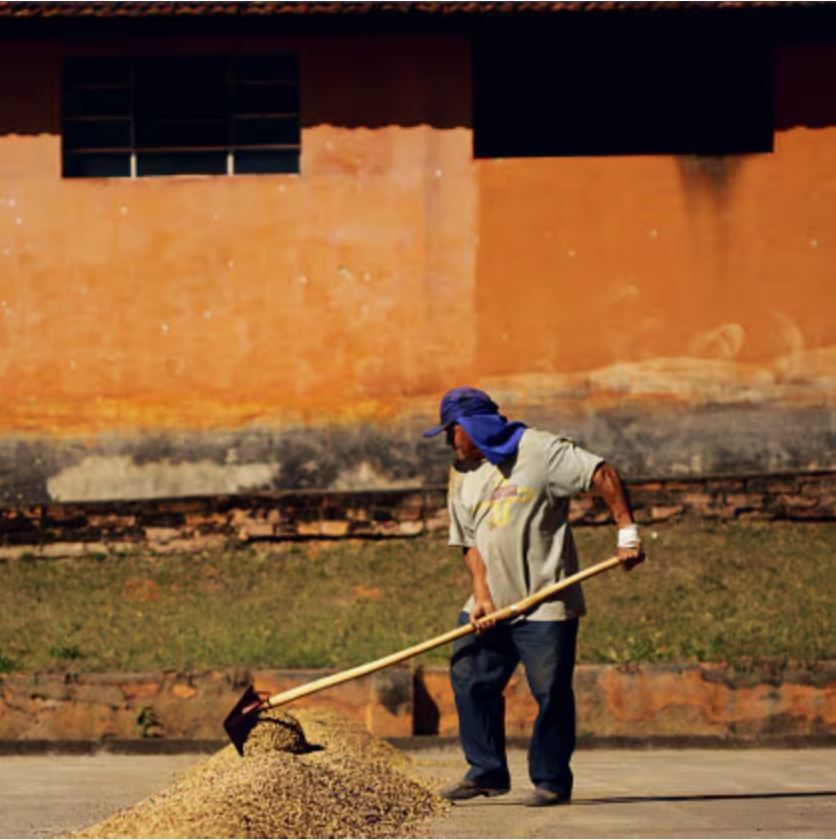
(205, 302)
(396, 265)
(700, 280)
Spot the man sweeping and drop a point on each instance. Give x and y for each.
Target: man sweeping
(508, 500)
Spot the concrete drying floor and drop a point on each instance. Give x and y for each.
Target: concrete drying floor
(658, 793)
(638, 793)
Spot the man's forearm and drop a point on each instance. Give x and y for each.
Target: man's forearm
(478, 574)
(484, 605)
(608, 485)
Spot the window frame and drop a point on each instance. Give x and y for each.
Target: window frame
(104, 96)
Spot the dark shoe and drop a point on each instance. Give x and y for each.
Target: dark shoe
(466, 789)
(543, 797)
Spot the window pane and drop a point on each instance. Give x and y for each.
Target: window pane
(184, 87)
(96, 71)
(97, 166)
(97, 134)
(164, 134)
(266, 99)
(97, 102)
(267, 131)
(181, 163)
(267, 161)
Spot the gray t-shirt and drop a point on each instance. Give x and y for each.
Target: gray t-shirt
(517, 515)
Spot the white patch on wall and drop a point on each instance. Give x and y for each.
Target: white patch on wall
(365, 477)
(724, 342)
(118, 477)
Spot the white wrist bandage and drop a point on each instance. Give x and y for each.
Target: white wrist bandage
(628, 536)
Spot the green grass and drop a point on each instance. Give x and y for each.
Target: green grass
(719, 593)
(709, 592)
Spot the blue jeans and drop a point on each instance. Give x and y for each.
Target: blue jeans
(480, 669)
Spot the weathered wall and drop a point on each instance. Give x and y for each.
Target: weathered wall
(688, 299)
(182, 336)
(688, 702)
(207, 302)
(698, 703)
(195, 319)
(58, 529)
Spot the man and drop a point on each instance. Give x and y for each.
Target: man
(508, 500)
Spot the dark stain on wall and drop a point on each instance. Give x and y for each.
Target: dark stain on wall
(717, 440)
(720, 440)
(713, 175)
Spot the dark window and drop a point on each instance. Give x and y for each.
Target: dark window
(185, 115)
(599, 88)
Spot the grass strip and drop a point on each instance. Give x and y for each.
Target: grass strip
(710, 591)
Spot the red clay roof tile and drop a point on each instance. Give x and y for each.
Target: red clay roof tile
(171, 9)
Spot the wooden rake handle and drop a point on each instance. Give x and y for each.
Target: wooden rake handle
(504, 614)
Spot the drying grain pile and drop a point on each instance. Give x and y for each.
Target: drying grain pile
(313, 774)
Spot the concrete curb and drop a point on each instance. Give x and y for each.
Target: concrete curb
(180, 746)
(116, 746)
(688, 704)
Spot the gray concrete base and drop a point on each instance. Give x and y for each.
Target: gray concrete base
(656, 793)
(618, 793)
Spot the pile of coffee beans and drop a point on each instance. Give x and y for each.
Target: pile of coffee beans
(311, 774)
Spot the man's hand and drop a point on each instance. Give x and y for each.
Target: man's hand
(478, 617)
(630, 557)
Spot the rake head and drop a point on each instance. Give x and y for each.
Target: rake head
(244, 716)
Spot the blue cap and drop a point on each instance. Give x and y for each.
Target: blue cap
(463, 402)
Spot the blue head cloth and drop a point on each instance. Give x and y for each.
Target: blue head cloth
(479, 416)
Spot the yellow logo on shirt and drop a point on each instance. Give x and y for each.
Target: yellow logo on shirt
(503, 498)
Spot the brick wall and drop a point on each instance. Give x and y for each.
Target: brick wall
(69, 529)
(762, 703)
